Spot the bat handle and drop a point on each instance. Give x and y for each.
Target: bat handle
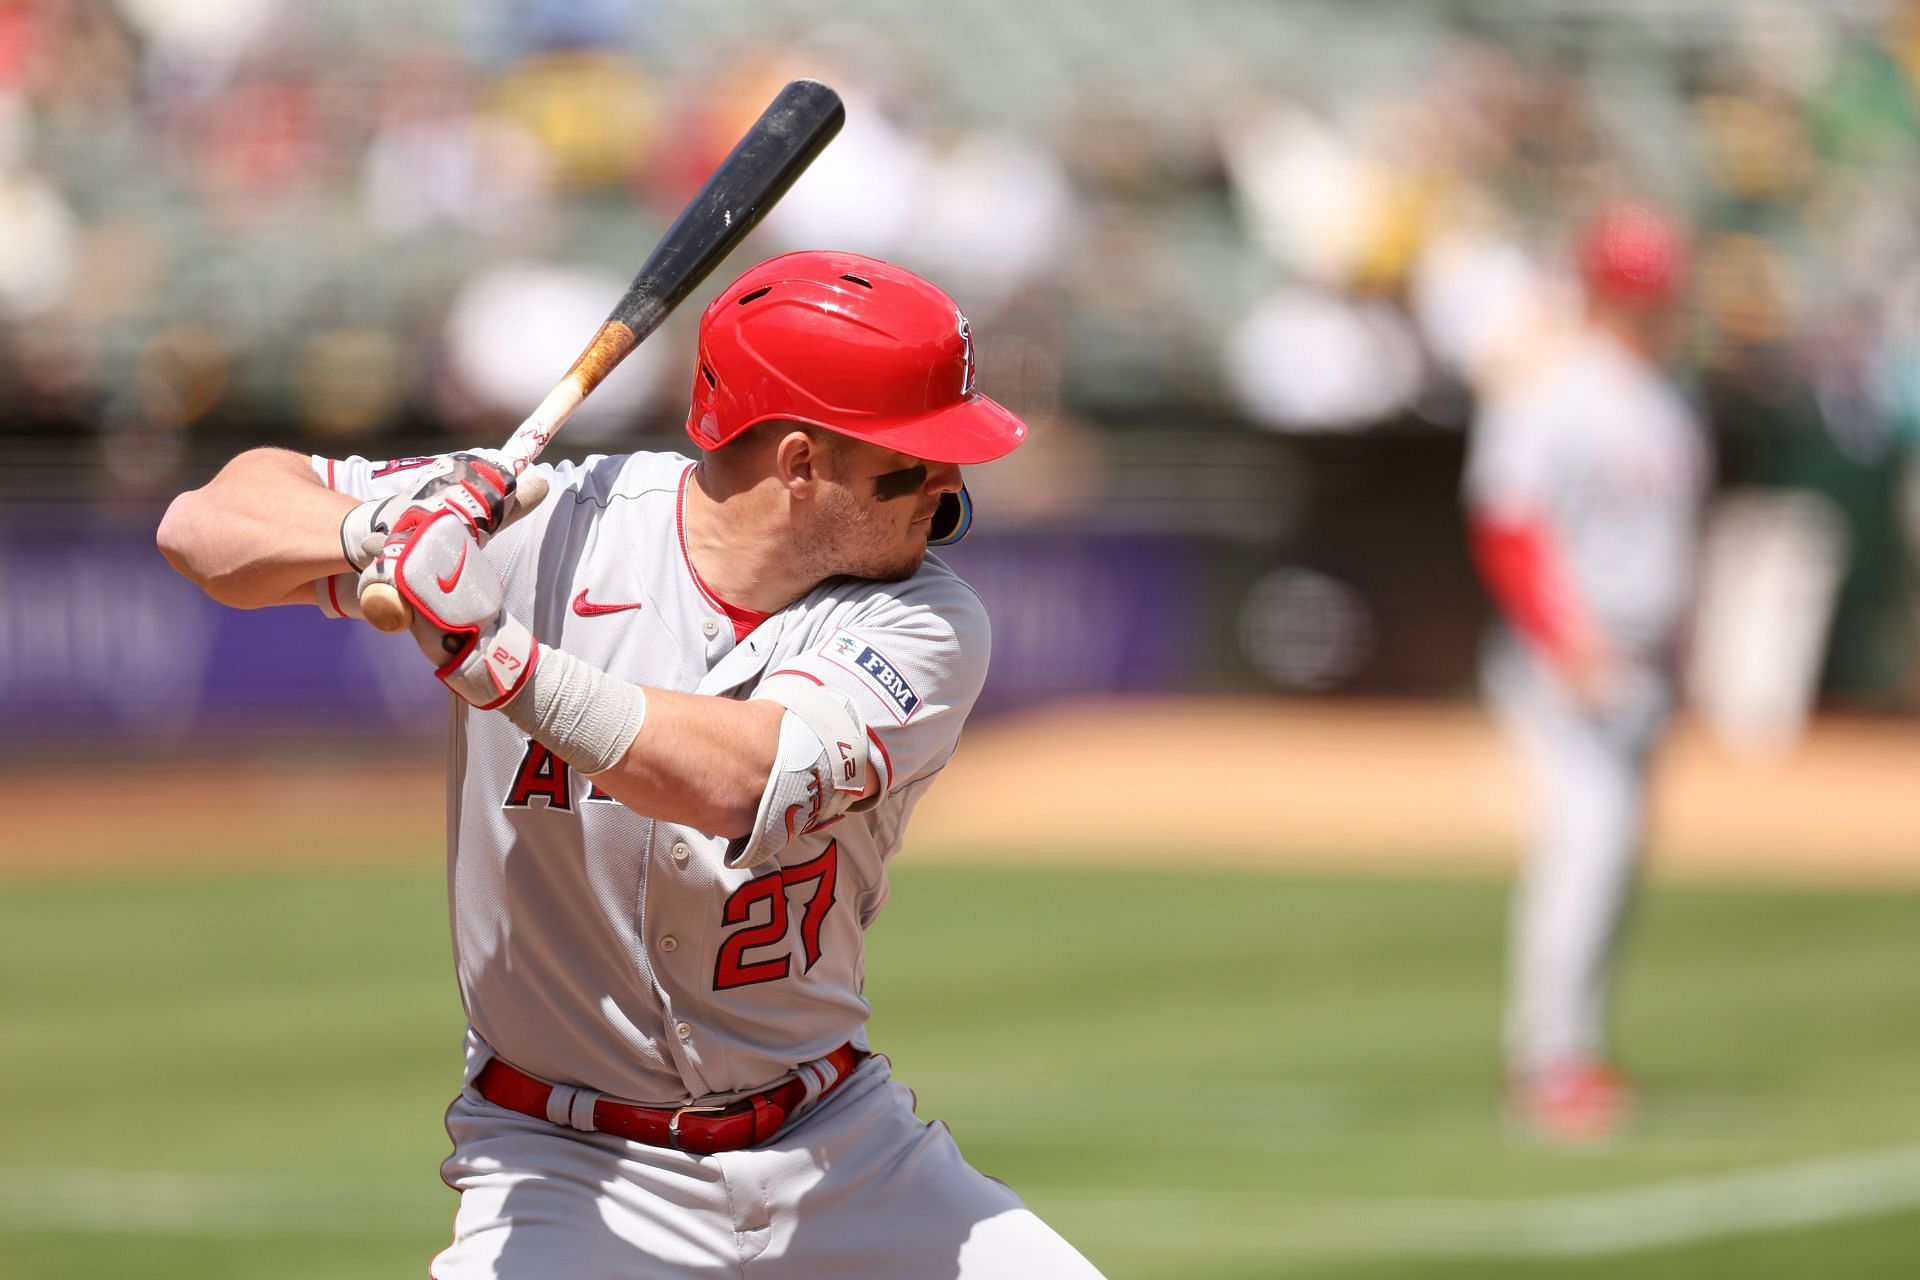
(384, 607)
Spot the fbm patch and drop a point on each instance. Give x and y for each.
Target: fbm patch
(865, 661)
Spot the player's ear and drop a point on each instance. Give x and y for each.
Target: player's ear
(796, 461)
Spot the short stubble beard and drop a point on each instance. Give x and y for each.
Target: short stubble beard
(845, 544)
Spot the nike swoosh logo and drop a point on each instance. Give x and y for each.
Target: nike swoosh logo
(446, 583)
(589, 609)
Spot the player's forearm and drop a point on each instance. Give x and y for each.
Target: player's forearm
(258, 533)
(693, 759)
(699, 761)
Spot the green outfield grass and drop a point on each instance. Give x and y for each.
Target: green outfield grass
(1190, 1075)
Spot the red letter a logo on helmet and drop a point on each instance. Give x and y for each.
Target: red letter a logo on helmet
(967, 374)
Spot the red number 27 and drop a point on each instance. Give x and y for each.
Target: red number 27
(731, 968)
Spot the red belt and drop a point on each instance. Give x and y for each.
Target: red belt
(746, 1122)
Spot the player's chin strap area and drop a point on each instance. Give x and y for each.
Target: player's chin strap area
(819, 769)
(951, 519)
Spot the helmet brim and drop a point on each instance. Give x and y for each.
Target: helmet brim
(976, 429)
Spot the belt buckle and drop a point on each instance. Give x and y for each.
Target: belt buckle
(673, 1123)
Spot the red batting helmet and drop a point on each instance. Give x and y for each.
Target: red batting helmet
(1632, 253)
(851, 344)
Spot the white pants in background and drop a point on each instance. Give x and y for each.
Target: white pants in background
(1588, 775)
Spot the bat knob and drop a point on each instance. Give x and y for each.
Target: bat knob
(383, 607)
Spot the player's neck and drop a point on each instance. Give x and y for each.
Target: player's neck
(1643, 334)
(738, 543)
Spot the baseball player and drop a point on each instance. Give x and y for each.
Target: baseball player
(698, 699)
(1583, 484)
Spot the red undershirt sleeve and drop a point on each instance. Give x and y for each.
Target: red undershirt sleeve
(1528, 580)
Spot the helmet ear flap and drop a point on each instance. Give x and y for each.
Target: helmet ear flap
(951, 519)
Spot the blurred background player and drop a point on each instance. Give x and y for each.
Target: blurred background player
(1584, 480)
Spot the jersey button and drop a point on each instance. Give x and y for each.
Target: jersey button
(669, 943)
(682, 1030)
(680, 851)
(710, 628)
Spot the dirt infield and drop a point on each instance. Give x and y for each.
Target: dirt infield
(1228, 783)
(1338, 785)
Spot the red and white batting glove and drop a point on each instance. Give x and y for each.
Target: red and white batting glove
(482, 493)
(485, 496)
(460, 621)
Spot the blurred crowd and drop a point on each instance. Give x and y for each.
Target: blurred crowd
(363, 224)
(234, 220)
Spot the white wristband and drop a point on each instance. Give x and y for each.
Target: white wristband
(581, 714)
(339, 595)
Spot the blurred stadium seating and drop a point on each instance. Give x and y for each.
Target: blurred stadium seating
(1241, 264)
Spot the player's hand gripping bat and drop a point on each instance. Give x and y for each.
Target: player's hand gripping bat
(775, 151)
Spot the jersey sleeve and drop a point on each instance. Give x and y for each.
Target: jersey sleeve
(365, 478)
(1517, 447)
(913, 666)
(1509, 468)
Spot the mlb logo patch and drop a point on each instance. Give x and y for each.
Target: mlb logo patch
(865, 661)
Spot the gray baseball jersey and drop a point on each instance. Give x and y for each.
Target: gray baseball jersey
(1604, 451)
(599, 947)
(1599, 449)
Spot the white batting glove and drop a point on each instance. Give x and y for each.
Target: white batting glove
(479, 650)
(484, 494)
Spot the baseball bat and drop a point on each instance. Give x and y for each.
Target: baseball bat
(776, 150)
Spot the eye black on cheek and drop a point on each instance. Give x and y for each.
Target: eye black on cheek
(903, 483)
